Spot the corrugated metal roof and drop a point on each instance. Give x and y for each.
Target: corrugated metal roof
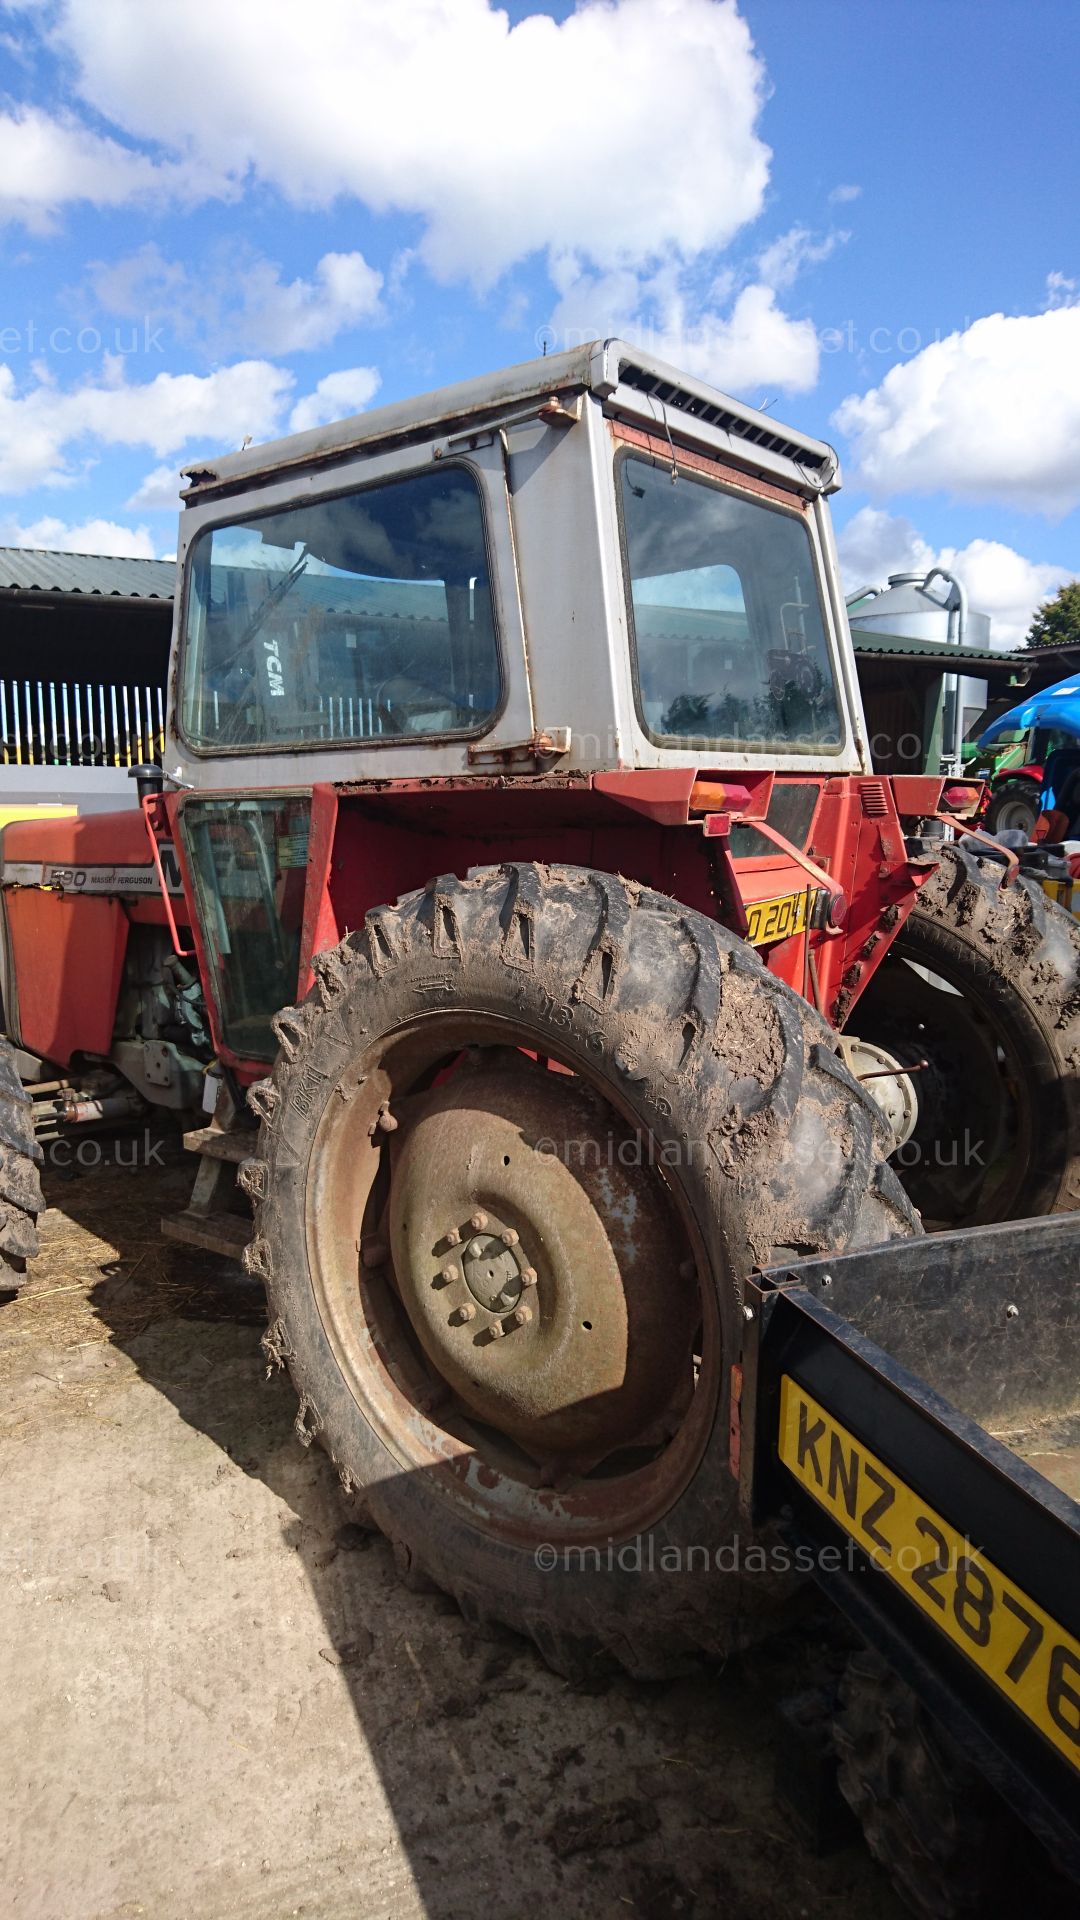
(38, 570)
(867, 640)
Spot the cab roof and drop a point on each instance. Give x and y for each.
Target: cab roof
(630, 382)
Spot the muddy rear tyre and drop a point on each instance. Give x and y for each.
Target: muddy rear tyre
(758, 1140)
(949, 1844)
(21, 1199)
(998, 1136)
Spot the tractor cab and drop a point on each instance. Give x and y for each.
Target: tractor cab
(587, 581)
(585, 562)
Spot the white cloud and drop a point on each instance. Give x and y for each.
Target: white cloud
(238, 298)
(310, 313)
(143, 285)
(507, 148)
(158, 491)
(42, 425)
(92, 536)
(791, 253)
(754, 344)
(1061, 291)
(992, 413)
(335, 398)
(841, 196)
(48, 162)
(999, 581)
(875, 543)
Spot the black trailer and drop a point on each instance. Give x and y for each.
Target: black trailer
(909, 1418)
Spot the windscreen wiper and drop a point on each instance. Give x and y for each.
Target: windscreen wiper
(271, 599)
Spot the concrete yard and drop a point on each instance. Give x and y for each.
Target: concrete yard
(218, 1699)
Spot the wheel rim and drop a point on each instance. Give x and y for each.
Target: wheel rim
(510, 1282)
(1016, 815)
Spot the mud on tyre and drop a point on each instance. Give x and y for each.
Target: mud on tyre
(521, 1144)
(949, 1843)
(998, 1023)
(21, 1198)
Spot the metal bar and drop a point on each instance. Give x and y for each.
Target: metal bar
(137, 704)
(115, 727)
(43, 762)
(161, 721)
(127, 726)
(184, 953)
(67, 720)
(18, 724)
(80, 747)
(3, 718)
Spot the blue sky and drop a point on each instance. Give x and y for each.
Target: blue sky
(237, 216)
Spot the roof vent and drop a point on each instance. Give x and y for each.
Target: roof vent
(670, 394)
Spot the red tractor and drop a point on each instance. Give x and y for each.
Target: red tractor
(518, 854)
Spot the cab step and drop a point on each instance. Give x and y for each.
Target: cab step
(224, 1233)
(210, 1221)
(217, 1143)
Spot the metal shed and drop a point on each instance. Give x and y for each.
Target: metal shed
(85, 648)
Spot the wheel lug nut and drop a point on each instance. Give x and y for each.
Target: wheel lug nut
(527, 1276)
(509, 1237)
(478, 1220)
(521, 1316)
(476, 1249)
(496, 1330)
(447, 1275)
(453, 1238)
(462, 1315)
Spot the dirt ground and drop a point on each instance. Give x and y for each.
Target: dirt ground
(217, 1699)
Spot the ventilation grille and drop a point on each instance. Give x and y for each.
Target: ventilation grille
(671, 395)
(874, 803)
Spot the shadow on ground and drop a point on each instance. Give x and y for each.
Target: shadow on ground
(408, 1763)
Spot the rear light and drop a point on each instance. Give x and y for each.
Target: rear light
(718, 796)
(836, 911)
(961, 798)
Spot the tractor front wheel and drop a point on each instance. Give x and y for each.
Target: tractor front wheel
(521, 1145)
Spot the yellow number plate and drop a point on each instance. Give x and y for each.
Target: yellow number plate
(1027, 1656)
(778, 919)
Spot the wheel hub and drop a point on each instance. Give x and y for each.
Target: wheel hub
(492, 1273)
(539, 1261)
(890, 1088)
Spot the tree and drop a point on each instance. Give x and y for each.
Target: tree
(1057, 621)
